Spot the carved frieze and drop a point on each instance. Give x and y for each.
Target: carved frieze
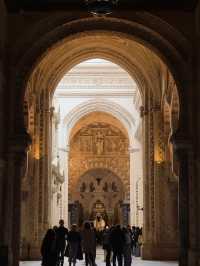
(100, 139)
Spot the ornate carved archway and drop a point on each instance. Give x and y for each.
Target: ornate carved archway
(102, 187)
(176, 58)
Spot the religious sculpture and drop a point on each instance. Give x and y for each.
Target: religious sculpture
(92, 187)
(99, 142)
(114, 187)
(105, 187)
(99, 222)
(83, 187)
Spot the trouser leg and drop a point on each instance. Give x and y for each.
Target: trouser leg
(108, 253)
(62, 257)
(92, 259)
(114, 258)
(119, 259)
(86, 259)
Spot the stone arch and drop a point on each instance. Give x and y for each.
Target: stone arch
(102, 106)
(175, 55)
(176, 52)
(109, 186)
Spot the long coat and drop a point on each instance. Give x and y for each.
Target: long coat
(48, 249)
(88, 241)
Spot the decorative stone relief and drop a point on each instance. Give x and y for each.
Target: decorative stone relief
(105, 148)
(99, 186)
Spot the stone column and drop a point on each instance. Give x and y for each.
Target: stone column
(64, 162)
(47, 161)
(181, 148)
(132, 189)
(15, 171)
(148, 167)
(134, 171)
(125, 213)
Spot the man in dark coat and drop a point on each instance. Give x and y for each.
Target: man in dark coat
(61, 237)
(117, 240)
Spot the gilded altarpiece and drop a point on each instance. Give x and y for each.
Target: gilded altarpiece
(99, 168)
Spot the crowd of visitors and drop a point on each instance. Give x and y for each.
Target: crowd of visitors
(119, 244)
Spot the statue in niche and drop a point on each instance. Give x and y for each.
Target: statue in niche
(108, 144)
(122, 145)
(99, 141)
(114, 145)
(84, 144)
(114, 187)
(92, 187)
(99, 222)
(83, 187)
(105, 187)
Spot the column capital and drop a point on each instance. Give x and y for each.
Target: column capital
(133, 150)
(66, 149)
(153, 109)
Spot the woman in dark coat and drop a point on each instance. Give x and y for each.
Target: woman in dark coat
(74, 244)
(48, 249)
(89, 244)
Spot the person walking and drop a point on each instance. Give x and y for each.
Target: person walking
(48, 249)
(117, 240)
(61, 237)
(107, 245)
(127, 247)
(89, 244)
(74, 242)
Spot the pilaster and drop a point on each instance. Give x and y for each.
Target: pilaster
(15, 170)
(182, 149)
(160, 241)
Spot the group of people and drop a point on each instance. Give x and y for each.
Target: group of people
(121, 243)
(54, 245)
(59, 242)
(117, 242)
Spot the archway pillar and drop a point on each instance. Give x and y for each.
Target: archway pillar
(132, 189)
(16, 167)
(182, 148)
(64, 160)
(161, 234)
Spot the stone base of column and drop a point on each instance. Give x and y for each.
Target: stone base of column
(30, 254)
(159, 252)
(193, 257)
(4, 255)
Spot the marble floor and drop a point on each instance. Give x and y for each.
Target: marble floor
(100, 262)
